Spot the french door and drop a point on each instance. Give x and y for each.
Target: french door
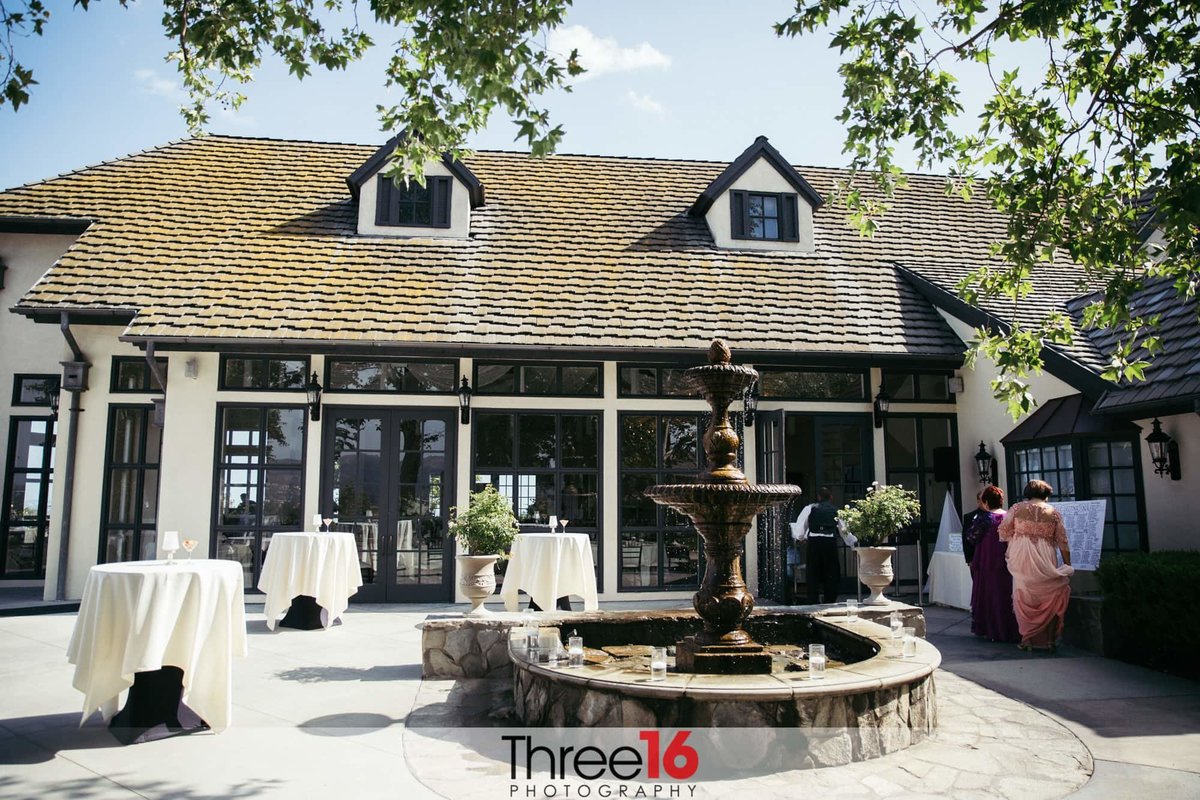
(25, 515)
(388, 478)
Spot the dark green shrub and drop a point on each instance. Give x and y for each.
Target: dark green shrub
(1147, 617)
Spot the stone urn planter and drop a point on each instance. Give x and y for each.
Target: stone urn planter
(477, 578)
(875, 572)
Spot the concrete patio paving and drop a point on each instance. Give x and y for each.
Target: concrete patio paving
(341, 712)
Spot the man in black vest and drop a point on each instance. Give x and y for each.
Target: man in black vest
(819, 526)
(968, 518)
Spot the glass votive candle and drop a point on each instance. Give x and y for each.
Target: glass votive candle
(816, 661)
(658, 663)
(909, 642)
(897, 623)
(575, 651)
(851, 610)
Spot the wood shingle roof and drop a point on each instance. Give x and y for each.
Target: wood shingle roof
(223, 237)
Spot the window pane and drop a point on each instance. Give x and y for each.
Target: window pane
(1122, 454)
(131, 375)
(900, 437)
(580, 440)
(27, 492)
(433, 436)
(639, 444)
(635, 381)
(637, 510)
(539, 380)
(639, 560)
(900, 386)
(495, 379)
(681, 567)
(238, 500)
(281, 505)
(1125, 509)
(535, 498)
(150, 497)
(680, 446)
(355, 375)
(31, 444)
(578, 500)
(238, 547)
(285, 435)
(286, 373)
(120, 546)
(494, 440)
(580, 380)
(126, 444)
(675, 385)
(429, 378)
(935, 433)
(535, 445)
(1099, 482)
(770, 229)
(243, 373)
(933, 387)
(1124, 482)
(805, 384)
(1129, 537)
(1098, 454)
(241, 438)
(37, 391)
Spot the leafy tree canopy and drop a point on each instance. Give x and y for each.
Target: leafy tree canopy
(1082, 156)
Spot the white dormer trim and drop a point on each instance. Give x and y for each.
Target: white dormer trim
(761, 176)
(460, 209)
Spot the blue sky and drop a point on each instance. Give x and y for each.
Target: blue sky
(669, 79)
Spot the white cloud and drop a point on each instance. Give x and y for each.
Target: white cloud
(644, 102)
(152, 83)
(600, 56)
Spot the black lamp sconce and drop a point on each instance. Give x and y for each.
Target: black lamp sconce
(313, 388)
(750, 403)
(882, 404)
(986, 464)
(1164, 452)
(464, 402)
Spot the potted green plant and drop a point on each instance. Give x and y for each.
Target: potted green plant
(485, 530)
(873, 520)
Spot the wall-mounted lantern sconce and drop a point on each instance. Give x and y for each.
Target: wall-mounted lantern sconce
(882, 404)
(1164, 452)
(955, 384)
(3, 269)
(314, 387)
(464, 402)
(986, 464)
(54, 400)
(191, 368)
(750, 403)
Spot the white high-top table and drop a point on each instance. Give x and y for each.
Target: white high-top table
(548, 566)
(139, 617)
(322, 566)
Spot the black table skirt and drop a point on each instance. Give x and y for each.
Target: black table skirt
(154, 709)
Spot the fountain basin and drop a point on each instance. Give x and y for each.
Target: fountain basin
(873, 703)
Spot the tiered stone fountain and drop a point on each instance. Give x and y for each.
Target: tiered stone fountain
(722, 507)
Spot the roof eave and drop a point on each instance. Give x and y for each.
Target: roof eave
(1058, 363)
(82, 315)
(44, 224)
(760, 149)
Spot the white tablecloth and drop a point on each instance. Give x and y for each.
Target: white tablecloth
(949, 580)
(549, 566)
(139, 616)
(320, 565)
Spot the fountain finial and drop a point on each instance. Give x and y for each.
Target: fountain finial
(719, 352)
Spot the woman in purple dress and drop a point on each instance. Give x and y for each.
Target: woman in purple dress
(991, 588)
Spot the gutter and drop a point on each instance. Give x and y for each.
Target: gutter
(64, 544)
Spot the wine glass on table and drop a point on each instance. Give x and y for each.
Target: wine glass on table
(564, 524)
(328, 521)
(189, 545)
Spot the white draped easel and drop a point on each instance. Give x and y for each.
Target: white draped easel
(949, 575)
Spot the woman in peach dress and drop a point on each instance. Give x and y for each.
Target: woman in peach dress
(1041, 588)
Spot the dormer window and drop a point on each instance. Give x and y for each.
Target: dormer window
(766, 217)
(413, 205)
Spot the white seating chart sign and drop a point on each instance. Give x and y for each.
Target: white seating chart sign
(1084, 521)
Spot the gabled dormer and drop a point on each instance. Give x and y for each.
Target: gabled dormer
(760, 202)
(440, 208)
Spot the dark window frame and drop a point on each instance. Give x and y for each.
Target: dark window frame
(216, 527)
(787, 211)
(114, 386)
(46, 477)
(950, 399)
(596, 533)
(20, 377)
(922, 469)
(141, 466)
(864, 374)
(661, 527)
(222, 386)
(389, 197)
(517, 364)
(331, 360)
(1081, 467)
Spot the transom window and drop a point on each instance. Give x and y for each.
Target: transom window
(381, 375)
(763, 216)
(411, 204)
(918, 387)
(263, 372)
(810, 384)
(652, 381)
(131, 374)
(563, 380)
(34, 390)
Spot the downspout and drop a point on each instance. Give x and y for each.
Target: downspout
(64, 544)
(155, 369)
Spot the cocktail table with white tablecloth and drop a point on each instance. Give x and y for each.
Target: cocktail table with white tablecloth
(548, 566)
(139, 617)
(323, 566)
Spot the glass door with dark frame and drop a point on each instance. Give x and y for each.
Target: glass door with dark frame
(388, 479)
(129, 525)
(834, 451)
(26, 521)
